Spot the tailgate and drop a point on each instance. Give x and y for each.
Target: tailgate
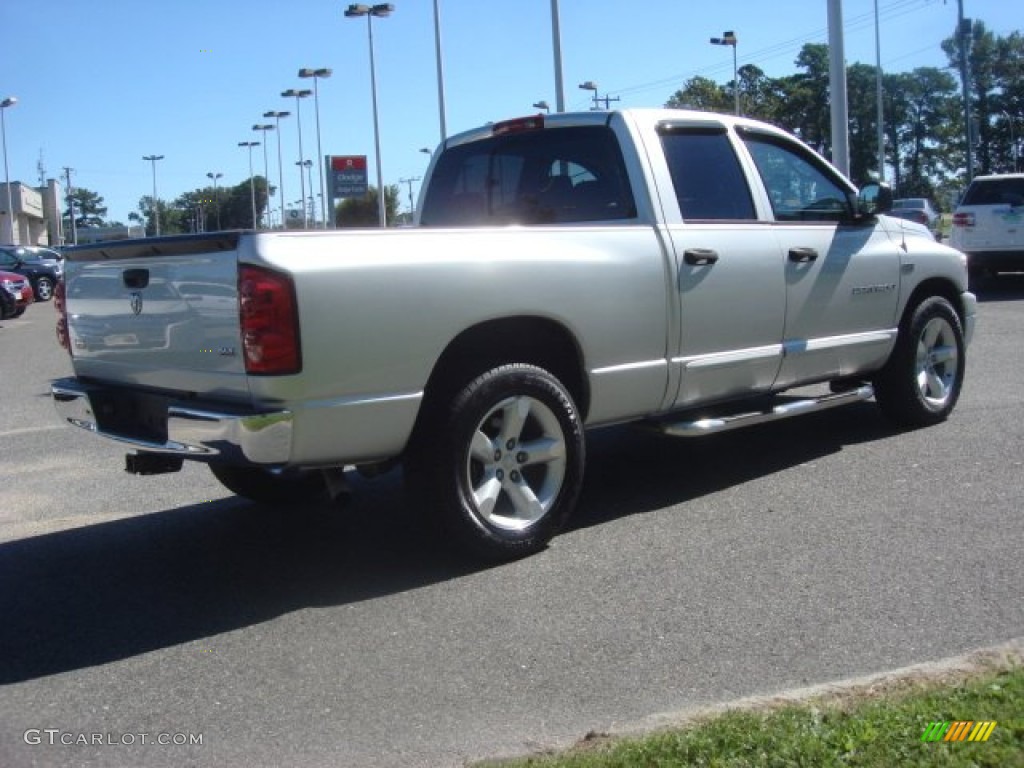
(160, 313)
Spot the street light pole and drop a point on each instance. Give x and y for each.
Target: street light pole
(381, 10)
(299, 95)
(316, 74)
(308, 203)
(280, 167)
(266, 172)
(252, 181)
(440, 69)
(729, 38)
(216, 195)
(556, 44)
(155, 208)
(10, 101)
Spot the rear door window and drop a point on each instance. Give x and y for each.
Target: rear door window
(551, 176)
(706, 174)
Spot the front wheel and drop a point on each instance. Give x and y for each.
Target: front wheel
(921, 382)
(504, 465)
(270, 486)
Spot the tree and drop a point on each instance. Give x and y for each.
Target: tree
(172, 220)
(996, 85)
(701, 93)
(362, 211)
(89, 209)
(203, 210)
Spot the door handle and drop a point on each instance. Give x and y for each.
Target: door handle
(699, 257)
(802, 255)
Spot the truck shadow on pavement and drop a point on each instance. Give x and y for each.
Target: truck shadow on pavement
(109, 591)
(1005, 287)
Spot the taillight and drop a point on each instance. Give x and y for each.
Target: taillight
(59, 304)
(963, 219)
(518, 125)
(269, 321)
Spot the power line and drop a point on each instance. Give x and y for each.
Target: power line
(893, 10)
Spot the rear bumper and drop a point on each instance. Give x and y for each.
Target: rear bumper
(197, 433)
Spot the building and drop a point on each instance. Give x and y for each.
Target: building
(37, 213)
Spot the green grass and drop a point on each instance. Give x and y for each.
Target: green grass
(857, 729)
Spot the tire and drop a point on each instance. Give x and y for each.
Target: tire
(43, 289)
(270, 487)
(920, 384)
(8, 306)
(503, 464)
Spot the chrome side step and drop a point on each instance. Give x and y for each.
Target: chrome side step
(713, 424)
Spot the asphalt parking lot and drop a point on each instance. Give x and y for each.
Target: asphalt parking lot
(695, 572)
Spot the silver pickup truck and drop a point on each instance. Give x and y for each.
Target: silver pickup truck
(680, 269)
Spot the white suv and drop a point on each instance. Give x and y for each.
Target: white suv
(988, 225)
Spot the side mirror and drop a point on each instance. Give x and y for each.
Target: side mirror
(874, 198)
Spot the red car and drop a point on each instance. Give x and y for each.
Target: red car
(15, 294)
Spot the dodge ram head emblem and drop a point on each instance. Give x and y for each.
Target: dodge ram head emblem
(136, 302)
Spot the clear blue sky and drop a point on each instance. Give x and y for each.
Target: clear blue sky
(100, 84)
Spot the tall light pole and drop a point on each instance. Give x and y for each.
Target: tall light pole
(10, 101)
(216, 194)
(266, 172)
(440, 69)
(252, 181)
(155, 208)
(729, 38)
(299, 95)
(556, 44)
(380, 10)
(965, 34)
(280, 168)
(316, 74)
(838, 99)
(878, 98)
(542, 105)
(305, 166)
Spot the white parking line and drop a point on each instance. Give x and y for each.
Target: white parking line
(29, 430)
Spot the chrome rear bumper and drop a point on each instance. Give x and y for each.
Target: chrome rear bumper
(196, 433)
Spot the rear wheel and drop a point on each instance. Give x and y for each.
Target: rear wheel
(921, 383)
(271, 486)
(44, 289)
(503, 465)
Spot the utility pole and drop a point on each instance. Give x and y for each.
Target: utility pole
(71, 205)
(412, 205)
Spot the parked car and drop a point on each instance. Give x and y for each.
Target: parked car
(42, 272)
(919, 209)
(15, 295)
(988, 225)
